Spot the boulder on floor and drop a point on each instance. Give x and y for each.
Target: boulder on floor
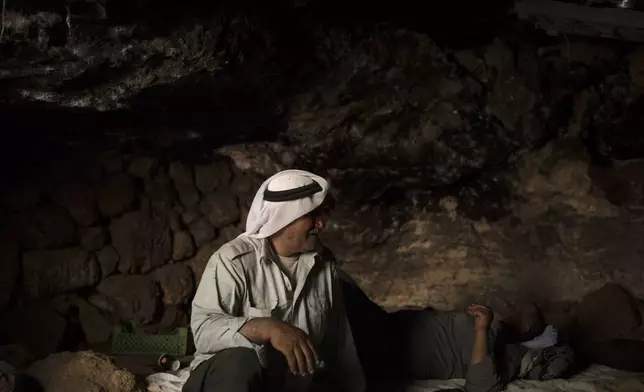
(607, 313)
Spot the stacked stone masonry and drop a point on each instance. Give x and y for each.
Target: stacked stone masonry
(115, 240)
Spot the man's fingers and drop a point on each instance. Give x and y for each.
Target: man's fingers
(310, 359)
(314, 351)
(478, 309)
(292, 362)
(301, 360)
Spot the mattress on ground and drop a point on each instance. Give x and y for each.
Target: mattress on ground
(596, 378)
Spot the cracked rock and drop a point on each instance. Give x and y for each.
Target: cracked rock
(50, 272)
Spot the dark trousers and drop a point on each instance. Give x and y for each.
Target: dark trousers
(385, 341)
(232, 370)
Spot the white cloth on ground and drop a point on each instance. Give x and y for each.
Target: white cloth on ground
(168, 381)
(266, 218)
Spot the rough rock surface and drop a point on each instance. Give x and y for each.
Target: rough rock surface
(37, 326)
(173, 316)
(108, 260)
(46, 227)
(117, 195)
(26, 196)
(443, 258)
(93, 238)
(183, 178)
(607, 313)
(96, 326)
(176, 283)
(50, 272)
(135, 297)
(201, 230)
(183, 246)
(83, 371)
(11, 267)
(220, 208)
(16, 355)
(142, 167)
(161, 190)
(142, 241)
(80, 200)
(174, 221)
(210, 177)
(380, 131)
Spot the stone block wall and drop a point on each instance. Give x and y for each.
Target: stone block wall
(89, 243)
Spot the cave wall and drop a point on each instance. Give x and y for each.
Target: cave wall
(89, 243)
(506, 168)
(94, 241)
(552, 233)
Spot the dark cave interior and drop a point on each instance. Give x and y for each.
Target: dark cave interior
(473, 154)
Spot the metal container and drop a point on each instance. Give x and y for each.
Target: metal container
(168, 362)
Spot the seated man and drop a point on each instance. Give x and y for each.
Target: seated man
(482, 347)
(268, 313)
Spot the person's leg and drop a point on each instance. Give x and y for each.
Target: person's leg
(232, 370)
(369, 326)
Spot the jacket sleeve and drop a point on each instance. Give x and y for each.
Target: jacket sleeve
(483, 377)
(217, 307)
(345, 368)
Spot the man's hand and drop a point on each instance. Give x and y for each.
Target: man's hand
(482, 315)
(296, 346)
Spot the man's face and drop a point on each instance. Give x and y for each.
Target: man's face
(524, 320)
(302, 235)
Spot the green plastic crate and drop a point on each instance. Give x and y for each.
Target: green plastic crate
(140, 343)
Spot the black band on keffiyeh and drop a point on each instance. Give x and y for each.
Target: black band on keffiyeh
(292, 194)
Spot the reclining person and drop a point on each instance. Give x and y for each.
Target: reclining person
(486, 349)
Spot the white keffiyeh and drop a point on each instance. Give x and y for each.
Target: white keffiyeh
(548, 338)
(265, 218)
